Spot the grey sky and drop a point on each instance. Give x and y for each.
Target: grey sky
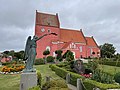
(98, 18)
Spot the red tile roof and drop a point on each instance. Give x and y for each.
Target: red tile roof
(47, 19)
(67, 35)
(91, 42)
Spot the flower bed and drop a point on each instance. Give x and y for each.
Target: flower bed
(12, 69)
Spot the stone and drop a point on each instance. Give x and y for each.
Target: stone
(79, 84)
(78, 67)
(28, 80)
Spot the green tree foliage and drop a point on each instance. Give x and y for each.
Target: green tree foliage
(107, 50)
(46, 52)
(19, 55)
(68, 55)
(16, 55)
(59, 54)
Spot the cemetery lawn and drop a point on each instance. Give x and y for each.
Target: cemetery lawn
(11, 82)
(110, 69)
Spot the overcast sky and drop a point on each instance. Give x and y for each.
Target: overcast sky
(97, 18)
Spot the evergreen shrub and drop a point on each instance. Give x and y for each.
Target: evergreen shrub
(50, 59)
(39, 61)
(117, 77)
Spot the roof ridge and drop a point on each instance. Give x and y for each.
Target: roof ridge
(46, 13)
(70, 29)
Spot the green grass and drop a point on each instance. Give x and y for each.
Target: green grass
(110, 69)
(46, 71)
(11, 82)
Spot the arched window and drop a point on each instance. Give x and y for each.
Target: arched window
(48, 48)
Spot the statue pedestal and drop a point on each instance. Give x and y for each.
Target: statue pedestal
(28, 80)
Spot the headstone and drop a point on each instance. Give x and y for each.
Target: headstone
(28, 80)
(79, 85)
(78, 67)
(68, 78)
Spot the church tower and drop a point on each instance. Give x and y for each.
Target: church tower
(44, 24)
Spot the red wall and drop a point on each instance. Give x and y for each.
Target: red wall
(45, 41)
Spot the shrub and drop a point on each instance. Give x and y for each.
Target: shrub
(102, 77)
(50, 59)
(111, 63)
(90, 84)
(39, 61)
(54, 83)
(59, 71)
(35, 88)
(117, 77)
(39, 78)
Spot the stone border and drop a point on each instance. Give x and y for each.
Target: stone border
(10, 72)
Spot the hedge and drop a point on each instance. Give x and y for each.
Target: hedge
(39, 61)
(111, 63)
(89, 84)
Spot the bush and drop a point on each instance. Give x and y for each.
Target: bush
(89, 84)
(39, 78)
(39, 61)
(109, 62)
(50, 59)
(102, 77)
(54, 83)
(35, 88)
(117, 77)
(59, 71)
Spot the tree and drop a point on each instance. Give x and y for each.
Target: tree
(68, 55)
(19, 55)
(107, 50)
(59, 54)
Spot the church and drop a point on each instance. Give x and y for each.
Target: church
(66, 39)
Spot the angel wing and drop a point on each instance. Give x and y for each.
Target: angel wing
(27, 48)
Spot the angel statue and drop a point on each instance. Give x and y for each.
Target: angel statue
(30, 52)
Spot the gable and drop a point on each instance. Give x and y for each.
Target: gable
(91, 42)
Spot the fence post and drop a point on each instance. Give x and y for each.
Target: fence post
(68, 78)
(79, 84)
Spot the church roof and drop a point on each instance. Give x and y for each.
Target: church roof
(67, 35)
(91, 42)
(47, 19)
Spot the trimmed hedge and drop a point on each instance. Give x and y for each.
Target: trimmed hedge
(111, 63)
(89, 84)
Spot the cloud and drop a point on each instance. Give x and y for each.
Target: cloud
(98, 18)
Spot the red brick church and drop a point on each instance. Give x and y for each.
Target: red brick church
(66, 39)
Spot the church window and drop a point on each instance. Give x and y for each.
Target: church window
(42, 30)
(80, 48)
(49, 30)
(48, 48)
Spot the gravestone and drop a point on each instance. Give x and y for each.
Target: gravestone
(78, 67)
